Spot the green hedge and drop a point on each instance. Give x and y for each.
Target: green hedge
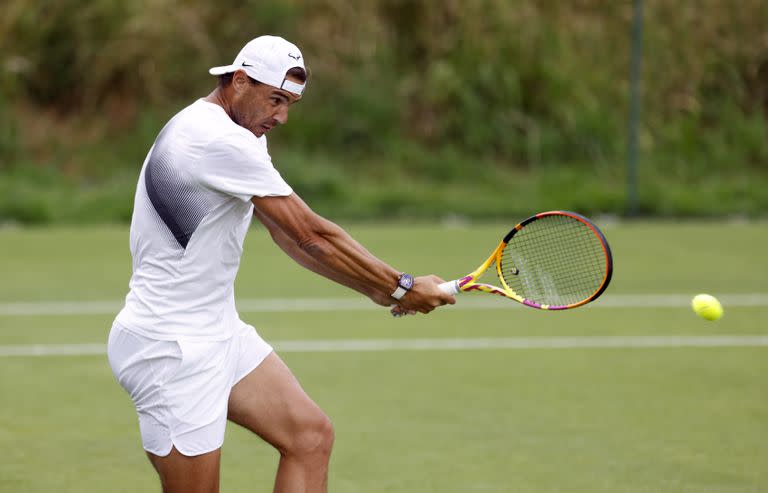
(410, 107)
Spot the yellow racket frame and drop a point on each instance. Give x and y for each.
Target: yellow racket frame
(469, 282)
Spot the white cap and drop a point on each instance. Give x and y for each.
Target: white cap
(267, 59)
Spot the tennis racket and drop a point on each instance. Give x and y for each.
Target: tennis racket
(551, 261)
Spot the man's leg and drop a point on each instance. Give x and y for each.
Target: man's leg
(182, 474)
(270, 402)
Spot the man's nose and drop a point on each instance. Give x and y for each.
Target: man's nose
(282, 114)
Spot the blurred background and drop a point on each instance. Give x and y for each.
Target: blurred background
(411, 105)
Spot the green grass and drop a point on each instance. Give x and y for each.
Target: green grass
(528, 420)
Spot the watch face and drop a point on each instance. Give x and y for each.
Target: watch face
(406, 281)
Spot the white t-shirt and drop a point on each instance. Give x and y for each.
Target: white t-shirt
(191, 213)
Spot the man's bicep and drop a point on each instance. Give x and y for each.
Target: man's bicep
(289, 213)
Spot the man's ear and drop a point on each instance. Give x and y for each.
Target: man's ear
(240, 80)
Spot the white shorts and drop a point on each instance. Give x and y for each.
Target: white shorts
(181, 388)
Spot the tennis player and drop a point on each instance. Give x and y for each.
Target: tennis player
(178, 347)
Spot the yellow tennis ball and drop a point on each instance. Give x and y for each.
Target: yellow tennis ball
(707, 307)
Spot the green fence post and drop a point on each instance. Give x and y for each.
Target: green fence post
(634, 106)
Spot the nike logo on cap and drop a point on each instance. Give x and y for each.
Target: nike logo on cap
(295, 57)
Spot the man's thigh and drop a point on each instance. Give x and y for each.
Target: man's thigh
(183, 474)
(270, 402)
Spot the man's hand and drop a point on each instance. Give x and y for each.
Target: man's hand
(424, 297)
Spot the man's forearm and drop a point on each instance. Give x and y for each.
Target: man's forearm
(333, 247)
(326, 242)
(308, 261)
(334, 254)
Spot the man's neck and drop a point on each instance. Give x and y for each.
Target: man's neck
(216, 97)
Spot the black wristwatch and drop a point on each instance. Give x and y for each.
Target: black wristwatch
(404, 284)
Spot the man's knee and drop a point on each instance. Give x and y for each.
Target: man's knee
(314, 436)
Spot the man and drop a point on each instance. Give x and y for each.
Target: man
(178, 346)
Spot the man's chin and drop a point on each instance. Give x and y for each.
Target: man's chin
(259, 131)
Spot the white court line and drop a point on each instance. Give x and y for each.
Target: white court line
(364, 345)
(465, 302)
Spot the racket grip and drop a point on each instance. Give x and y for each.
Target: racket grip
(450, 287)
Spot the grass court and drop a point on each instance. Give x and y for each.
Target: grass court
(462, 400)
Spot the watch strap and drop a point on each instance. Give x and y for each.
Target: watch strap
(399, 292)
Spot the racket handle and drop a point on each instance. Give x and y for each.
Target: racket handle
(450, 287)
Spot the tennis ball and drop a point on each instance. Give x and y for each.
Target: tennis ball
(707, 307)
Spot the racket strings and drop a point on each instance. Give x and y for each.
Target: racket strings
(554, 260)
